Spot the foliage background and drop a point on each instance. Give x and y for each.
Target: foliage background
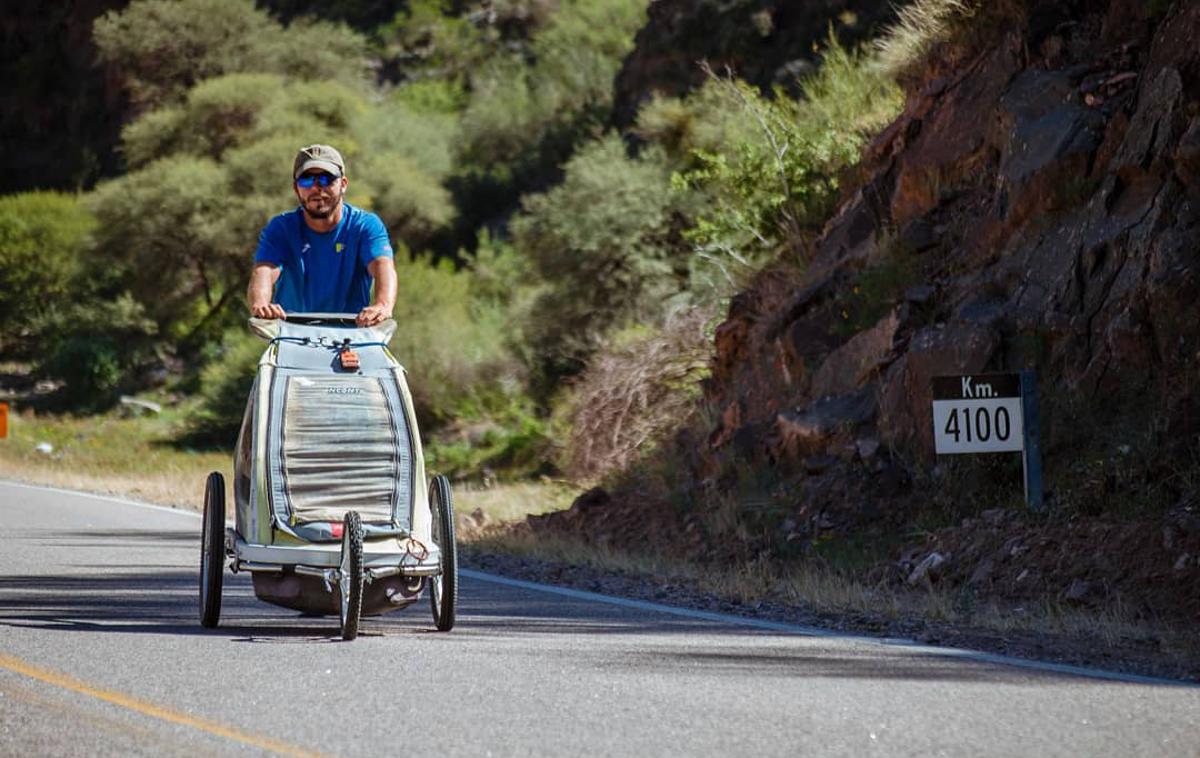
(541, 250)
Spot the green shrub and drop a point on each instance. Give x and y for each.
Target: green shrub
(702, 122)
(324, 109)
(225, 385)
(237, 110)
(778, 180)
(96, 346)
(440, 97)
(433, 41)
(411, 203)
(309, 50)
(91, 367)
(263, 168)
(600, 242)
(581, 49)
(225, 111)
(153, 135)
(42, 238)
(851, 91)
(490, 430)
(451, 341)
(423, 137)
(516, 111)
(506, 118)
(501, 276)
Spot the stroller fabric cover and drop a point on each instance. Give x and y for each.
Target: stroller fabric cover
(330, 439)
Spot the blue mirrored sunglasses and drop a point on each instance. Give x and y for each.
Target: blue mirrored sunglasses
(308, 180)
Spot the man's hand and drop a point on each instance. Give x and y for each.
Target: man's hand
(372, 315)
(258, 294)
(269, 310)
(383, 272)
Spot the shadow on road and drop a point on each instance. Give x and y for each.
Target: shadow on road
(163, 602)
(162, 598)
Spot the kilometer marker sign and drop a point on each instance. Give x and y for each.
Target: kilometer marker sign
(979, 413)
(991, 413)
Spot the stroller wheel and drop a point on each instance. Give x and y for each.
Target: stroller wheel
(212, 550)
(350, 585)
(443, 587)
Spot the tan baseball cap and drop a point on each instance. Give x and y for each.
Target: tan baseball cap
(323, 157)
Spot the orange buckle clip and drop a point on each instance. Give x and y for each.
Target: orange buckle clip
(349, 359)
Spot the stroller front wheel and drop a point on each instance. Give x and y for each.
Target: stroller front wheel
(350, 583)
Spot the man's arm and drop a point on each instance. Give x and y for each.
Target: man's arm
(262, 286)
(383, 271)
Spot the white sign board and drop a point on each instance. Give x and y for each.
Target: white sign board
(980, 413)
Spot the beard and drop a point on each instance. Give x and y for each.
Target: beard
(322, 206)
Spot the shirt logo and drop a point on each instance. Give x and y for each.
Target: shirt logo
(305, 248)
(338, 247)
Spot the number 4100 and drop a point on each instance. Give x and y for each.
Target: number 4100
(978, 424)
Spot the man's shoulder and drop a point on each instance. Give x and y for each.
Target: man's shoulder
(285, 221)
(361, 218)
(370, 232)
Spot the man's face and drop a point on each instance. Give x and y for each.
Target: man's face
(320, 192)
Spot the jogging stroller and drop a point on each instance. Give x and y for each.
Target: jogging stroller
(332, 510)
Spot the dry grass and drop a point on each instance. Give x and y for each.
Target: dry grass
(108, 454)
(508, 502)
(634, 393)
(920, 27)
(829, 592)
(570, 550)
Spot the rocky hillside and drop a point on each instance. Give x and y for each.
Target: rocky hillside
(1035, 206)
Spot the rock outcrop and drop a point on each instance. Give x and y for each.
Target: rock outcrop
(1042, 196)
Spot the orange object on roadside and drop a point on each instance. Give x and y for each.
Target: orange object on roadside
(3, 420)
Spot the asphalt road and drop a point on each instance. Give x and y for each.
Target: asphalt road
(101, 653)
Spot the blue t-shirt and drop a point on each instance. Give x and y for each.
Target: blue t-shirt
(323, 273)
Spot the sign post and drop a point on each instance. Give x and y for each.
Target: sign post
(990, 413)
(1032, 458)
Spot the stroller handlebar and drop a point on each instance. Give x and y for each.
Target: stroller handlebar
(339, 319)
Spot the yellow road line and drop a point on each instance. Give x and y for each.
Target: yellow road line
(150, 709)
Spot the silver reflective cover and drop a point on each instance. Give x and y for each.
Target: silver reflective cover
(340, 448)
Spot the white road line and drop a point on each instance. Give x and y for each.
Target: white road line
(646, 605)
(809, 631)
(774, 626)
(99, 496)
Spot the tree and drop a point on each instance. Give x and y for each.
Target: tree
(171, 235)
(601, 242)
(161, 48)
